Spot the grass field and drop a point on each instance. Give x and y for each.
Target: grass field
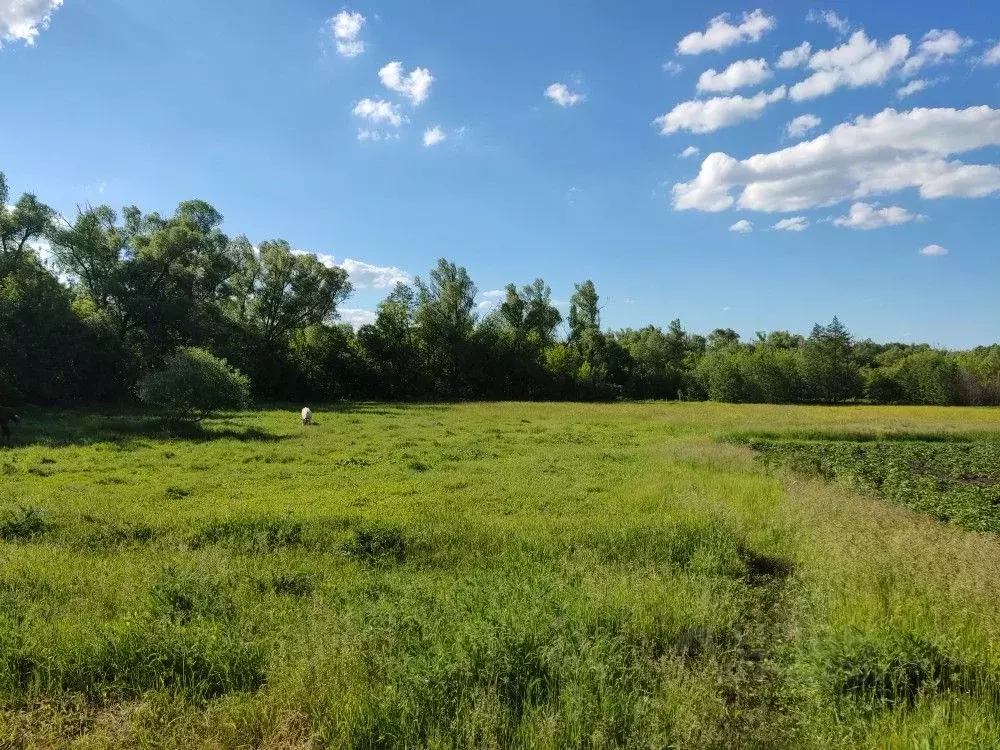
(498, 575)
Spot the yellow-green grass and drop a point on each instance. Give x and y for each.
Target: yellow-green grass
(492, 575)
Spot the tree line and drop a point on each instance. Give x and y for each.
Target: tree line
(115, 295)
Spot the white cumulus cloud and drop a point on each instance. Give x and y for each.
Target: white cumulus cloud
(708, 115)
(831, 19)
(22, 20)
(802, 125)
(379, 111)
(561, 94)
(885, 153)
(721, 34)
(738, 75)
(415, 85)
(866, 216)
(793, 58)
(689, 152)
(792, 224)
(364, 275)
(858, 62)
(936, 46)
(672, 67)
(346, 27)
(742, 227)
(433, 136)
(933, 250)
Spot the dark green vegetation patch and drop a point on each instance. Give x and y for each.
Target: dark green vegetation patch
(957, 482)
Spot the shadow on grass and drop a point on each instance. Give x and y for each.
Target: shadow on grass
(86, 427)
(368, 408)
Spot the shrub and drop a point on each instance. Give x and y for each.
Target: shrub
(194, 385)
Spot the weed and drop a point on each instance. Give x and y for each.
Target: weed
(893, 669)
(294, 584)
(186, 595)
(252, 536)
(377, 543)
(25, 523)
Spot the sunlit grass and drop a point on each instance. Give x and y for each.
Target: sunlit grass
(483, 576)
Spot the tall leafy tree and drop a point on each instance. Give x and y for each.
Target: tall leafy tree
(445, 322)
(390, 347)
(584, 311)
(21, 225)
(277, 291)
(830, 372)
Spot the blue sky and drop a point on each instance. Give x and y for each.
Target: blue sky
(564, 125)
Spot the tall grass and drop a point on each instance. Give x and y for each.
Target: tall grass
(509, 575)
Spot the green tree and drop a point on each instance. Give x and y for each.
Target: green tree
(159, 283)
(193, 385)
(584, 311)
(390, 346)
(20, 227)
(277, 292)
(445, 322)
(830, 373)
(723, 337)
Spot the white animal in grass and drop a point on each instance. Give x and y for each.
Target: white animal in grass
(307, 416)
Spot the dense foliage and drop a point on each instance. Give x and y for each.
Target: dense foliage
(88, 307)
(951, 480)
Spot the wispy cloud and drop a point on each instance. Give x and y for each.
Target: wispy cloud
(792, 224)
(915, 86)
(829, 18)
(802, 125)
(991, 56)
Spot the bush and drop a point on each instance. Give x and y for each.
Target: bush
(194, 385)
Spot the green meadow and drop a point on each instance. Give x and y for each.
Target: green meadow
(503, 575)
